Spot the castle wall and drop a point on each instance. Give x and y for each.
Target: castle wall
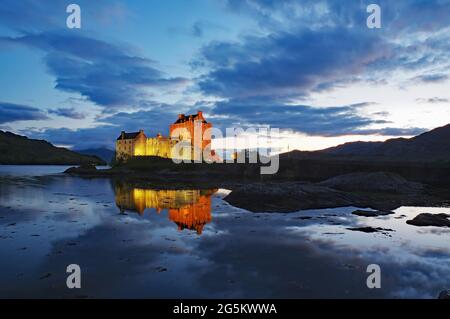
(159, 146)
(124, 149)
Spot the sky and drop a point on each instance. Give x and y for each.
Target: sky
(310, 68)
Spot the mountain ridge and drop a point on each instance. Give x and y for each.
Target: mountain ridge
(433, 145)
(21, 150)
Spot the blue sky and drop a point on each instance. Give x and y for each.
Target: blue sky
(311, 68)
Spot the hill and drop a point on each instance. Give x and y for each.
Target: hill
(17, 149)
(430, 147)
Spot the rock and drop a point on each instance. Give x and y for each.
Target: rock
(368, 213)
(439, 220)
(45, 276)
(378, 191)
(161, 269)
(444, 295)
(373, 182)
(287, 197)
(83, 169)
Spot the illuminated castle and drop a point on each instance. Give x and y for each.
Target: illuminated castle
(193, 130)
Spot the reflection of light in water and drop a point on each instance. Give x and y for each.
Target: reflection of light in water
(189, 209)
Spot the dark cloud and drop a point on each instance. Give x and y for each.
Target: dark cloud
(315, 45)
(69, 113)
(110, 75)
(10, 112)
(325, 121)
(288, 63)
(104, 73)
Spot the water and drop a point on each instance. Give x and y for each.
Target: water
(136, 242)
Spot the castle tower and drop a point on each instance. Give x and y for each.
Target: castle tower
(188, 127)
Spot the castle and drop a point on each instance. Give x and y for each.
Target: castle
(192, 130)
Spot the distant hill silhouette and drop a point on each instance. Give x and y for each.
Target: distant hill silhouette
(424, 158)
(17, 149)
(430, 146)
(104, 153)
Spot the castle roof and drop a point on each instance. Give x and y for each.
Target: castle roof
(188, 118)
(128, 136)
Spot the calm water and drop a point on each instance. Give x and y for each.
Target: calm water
(134, 242)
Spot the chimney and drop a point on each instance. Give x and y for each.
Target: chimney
(200, 114)
(141, 131)
(122, 135)
(181, 116)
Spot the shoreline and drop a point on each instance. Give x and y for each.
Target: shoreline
(382, 191)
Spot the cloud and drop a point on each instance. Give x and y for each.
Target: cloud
(392, 131)
(324, 121)
(10, 112)
(288, 63)
(320, 45)
(431, 78)
(109, 74)
(408, 16)
(69, 113)
(104, 73)
(315, 46)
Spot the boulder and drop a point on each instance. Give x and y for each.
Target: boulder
(287, 197)
(373, 182)
(439, 220)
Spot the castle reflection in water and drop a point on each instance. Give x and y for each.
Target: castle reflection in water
(189, 209)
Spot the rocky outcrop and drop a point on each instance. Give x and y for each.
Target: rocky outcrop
(374, 182)
(287, 197)
(81, 170)
(439, 220)
(383, 192)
